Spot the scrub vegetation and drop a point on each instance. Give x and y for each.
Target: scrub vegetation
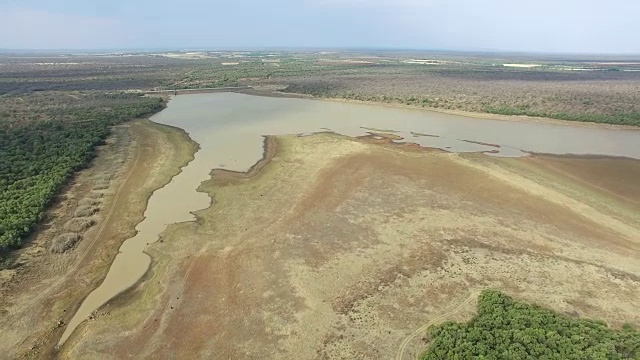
(79, 224)
(64, 242)
(576, 89)
(45, 138)
(508, 329)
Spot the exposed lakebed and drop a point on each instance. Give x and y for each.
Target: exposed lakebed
(230, 128)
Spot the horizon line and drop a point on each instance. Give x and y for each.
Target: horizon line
(306, 48)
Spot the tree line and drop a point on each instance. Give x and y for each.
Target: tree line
(38, 158)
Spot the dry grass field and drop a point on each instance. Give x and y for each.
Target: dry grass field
(340, 248)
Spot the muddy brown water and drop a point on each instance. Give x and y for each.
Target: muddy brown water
(230, 127)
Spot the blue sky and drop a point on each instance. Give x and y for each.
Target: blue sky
(586, 26)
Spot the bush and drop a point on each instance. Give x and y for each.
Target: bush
(89, 202)
(103, 177)
(101, 185)
(79, 224)
(64, 242)
(96, 194)
(85, 211)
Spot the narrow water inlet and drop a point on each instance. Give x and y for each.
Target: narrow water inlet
(167, 205)
(230, 127)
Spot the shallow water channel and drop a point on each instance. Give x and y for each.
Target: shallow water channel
(230, 127)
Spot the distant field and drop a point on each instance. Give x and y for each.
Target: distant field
(605, 90)
(71, 89)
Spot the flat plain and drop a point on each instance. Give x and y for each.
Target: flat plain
(330, 246)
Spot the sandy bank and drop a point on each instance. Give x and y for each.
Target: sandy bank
(42, 296)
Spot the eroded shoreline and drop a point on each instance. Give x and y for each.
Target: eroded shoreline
(204, 261)
(157, 151)
(469, 114)
(131, 262)
(231, 171)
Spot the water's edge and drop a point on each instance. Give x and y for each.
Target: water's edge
(230, 130)
(85, 310)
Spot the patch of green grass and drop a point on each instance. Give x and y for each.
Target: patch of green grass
(508, 329)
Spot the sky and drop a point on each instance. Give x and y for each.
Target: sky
(562, 26)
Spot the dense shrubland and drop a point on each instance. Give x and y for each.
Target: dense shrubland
(542, 93)
(508, 329)
(43, 144)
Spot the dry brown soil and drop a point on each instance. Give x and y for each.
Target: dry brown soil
(40, 294)
(345, 248)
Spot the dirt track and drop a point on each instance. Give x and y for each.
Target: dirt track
(40, 295)
(340, 248)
